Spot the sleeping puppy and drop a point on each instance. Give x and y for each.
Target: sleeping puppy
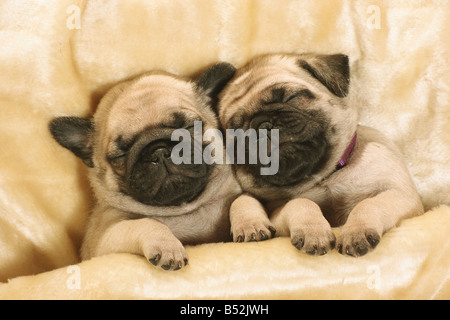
(331, 171)
(147, 204)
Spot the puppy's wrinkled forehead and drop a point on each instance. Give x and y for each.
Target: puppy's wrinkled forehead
(252, 80)
(151, 100)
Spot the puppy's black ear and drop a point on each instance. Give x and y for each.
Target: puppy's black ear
(332, 71)
(214, 79)
(74, 134)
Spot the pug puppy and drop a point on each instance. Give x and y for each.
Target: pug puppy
(147, 204)
(331, 171)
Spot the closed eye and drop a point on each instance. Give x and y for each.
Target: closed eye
(118, 164)
(117, 156)
(189, 126)
(123, 144)
(114, 158)
(282, 95)
(237, 121)
(302, 93)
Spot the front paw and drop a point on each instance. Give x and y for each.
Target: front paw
(316, 240)
(252, 230)
(357, 242)
(168, 254)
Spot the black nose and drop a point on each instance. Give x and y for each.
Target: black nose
(156, 152)
(160, 154)
(154, 179)
(152, 156)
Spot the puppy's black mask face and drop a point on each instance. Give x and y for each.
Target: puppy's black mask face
(303, 148)
(155, 180)
(143, 162)
(291, 107)
(149, 175)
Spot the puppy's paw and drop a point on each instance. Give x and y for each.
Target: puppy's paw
(252, 230)
(168, 254)
(317, 240)
(357, 242)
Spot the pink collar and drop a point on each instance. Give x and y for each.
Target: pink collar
(343, 161)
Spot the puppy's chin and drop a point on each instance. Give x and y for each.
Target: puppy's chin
(167, 184)
(173, 191)
(297, 163)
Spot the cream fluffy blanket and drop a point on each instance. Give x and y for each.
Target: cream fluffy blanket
(57, 57)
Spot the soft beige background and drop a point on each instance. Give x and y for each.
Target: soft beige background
(400, 82)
